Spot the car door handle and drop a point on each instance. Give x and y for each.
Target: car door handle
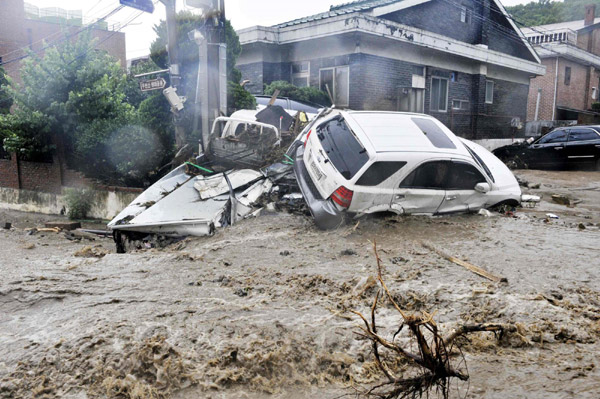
(400, 197)
(558, 148)
(451, 197)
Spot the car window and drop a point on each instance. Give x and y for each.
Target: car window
(433, 132)
(344, 150)
(583, 135)
(379, 172)
(430, 175)
(557, 136)
(464, 177)
(298, 106)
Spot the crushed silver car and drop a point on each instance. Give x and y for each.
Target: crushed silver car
(365, 162)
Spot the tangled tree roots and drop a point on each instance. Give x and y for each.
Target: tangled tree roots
(432, 367)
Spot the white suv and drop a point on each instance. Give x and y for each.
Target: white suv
(366, 162)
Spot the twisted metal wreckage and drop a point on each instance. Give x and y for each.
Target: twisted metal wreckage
(243, 161)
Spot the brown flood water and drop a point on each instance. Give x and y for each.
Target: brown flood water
(261, 309)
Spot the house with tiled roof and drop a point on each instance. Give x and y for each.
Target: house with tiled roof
(463, 61)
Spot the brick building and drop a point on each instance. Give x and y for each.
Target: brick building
(571, 53)
(24, 27)
(462, 61)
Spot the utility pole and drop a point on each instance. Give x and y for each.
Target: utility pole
(174, 69)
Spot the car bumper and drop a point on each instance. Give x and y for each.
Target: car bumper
(326, 214)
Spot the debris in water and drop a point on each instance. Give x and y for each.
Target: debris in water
(561, 199)
(92, 252)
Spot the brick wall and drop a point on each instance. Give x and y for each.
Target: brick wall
(444, 17)
(18, 33)
(575, 94)
(423, 15)
(39, 176)
(546, 83)
(9, 173)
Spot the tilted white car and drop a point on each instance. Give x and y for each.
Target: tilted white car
(358, 163)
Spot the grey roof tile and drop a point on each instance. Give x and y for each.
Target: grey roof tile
(346, 8)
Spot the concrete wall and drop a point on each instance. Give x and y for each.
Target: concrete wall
(106, 204)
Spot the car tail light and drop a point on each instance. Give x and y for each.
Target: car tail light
(342, 196)
(307, 136)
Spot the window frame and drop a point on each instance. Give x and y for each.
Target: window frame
(460, 107)
(487, 83)
(567, 80)
(465, 15)
(334, 88)
(431, 94)
(301, 74)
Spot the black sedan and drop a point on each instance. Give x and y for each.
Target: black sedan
(562, 148)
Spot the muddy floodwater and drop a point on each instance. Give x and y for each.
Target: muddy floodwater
(263, 309)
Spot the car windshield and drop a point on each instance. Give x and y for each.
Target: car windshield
(344, 150)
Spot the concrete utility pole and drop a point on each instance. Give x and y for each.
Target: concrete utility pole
(174, 72)
(211, 87)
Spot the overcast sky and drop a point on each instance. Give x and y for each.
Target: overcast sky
(242, 13)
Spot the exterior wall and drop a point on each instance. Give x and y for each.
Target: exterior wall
(109, 41)
(546, 84)
(12, 34)
(510, 101)
(450, 25)
(39, 176)
(575, 95)
(589, 40)
(9, 173)
(375, 83)
(106, 203)
(17, 33)
(447, 22)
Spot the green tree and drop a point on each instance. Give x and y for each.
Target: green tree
(5, 98)
(544, 12)
(77, 97)
(286, 89)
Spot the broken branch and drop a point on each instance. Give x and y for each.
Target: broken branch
(475, 269)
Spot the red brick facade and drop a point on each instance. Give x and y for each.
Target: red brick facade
(39, 176)
(577, 94)
(18, 35)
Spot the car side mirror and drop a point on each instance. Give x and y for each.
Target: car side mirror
(483, 188)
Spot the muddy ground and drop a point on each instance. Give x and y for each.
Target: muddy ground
(262, 309)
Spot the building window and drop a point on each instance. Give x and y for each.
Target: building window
(439, 94)
(567, 76)
(301, 74)
(489, 92)
(460, 105)
(338, 81)
(465, 15)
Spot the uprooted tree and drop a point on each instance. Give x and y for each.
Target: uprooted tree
(432, 366)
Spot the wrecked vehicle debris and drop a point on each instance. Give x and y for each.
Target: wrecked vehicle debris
(365, 162)
(563, 148)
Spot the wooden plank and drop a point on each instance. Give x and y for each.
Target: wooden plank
(475, 269)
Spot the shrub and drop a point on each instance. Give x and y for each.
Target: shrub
(596, 107)
(79, 203)
(292, 92)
